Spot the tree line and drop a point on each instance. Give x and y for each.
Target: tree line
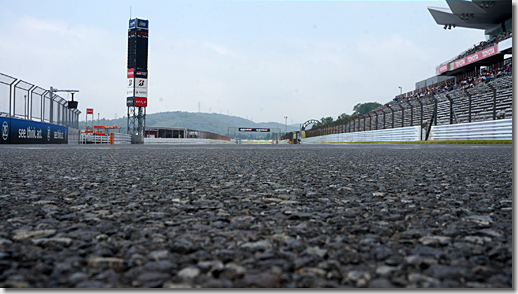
(358, 109)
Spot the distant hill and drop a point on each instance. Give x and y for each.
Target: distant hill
(208, 122)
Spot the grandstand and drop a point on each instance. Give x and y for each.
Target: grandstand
(474, 86)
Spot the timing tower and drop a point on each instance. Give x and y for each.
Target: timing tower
(136, 94)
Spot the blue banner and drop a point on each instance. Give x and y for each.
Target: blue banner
(142, 24)
(132, 23)
(139, 24)
(32, 132)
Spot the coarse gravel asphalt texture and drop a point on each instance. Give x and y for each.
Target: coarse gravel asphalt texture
(289, 216)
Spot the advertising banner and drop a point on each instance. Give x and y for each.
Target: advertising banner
(443, 68)
(32, 132)
(141, 88)
(140, 102)
(139, 92)
(142, 24)
(141, 74)
(475, 57)
(5, 123)
(130, 90)
(130, 101)
(138, 23)
(141, 83)
(132, 23)
(132, 73)
(254, 130)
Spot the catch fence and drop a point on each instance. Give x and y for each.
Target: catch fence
(21, 99)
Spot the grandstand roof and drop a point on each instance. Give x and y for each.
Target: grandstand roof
(473, 14)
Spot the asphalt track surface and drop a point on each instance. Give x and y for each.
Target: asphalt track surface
(236, 216)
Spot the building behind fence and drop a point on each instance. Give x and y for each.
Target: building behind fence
(23, 100)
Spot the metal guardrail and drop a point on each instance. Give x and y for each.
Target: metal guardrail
(486, 130)
(118, 138)
(20, 99)
(397, 134)
(93, 139)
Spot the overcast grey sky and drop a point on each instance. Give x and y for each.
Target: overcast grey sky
(257, 59)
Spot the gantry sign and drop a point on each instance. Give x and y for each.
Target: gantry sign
(136, 94)
(254, 130)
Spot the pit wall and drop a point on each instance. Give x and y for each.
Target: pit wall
(20, 131)
(175, 141)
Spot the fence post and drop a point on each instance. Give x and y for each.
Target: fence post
(421, 117)
(13, 114)
(494, 100)
(453, 116)
(51, 110)
(392, 110)
(434, 110)
(384, 120)
(402, 115)
(430, 125)
(43, 105)
(469, 104)
(411, 114)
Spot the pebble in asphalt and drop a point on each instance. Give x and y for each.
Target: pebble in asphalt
(256, 216)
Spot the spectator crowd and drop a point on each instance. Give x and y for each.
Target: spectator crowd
(485, 44)
(485, 76)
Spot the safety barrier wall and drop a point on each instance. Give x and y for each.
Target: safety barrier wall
(20, 131)
(399, 134)
(117, 138)
(174, 141)
(501, 129)
(93, 139)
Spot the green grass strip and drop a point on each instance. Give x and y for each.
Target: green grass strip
(432, 142)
